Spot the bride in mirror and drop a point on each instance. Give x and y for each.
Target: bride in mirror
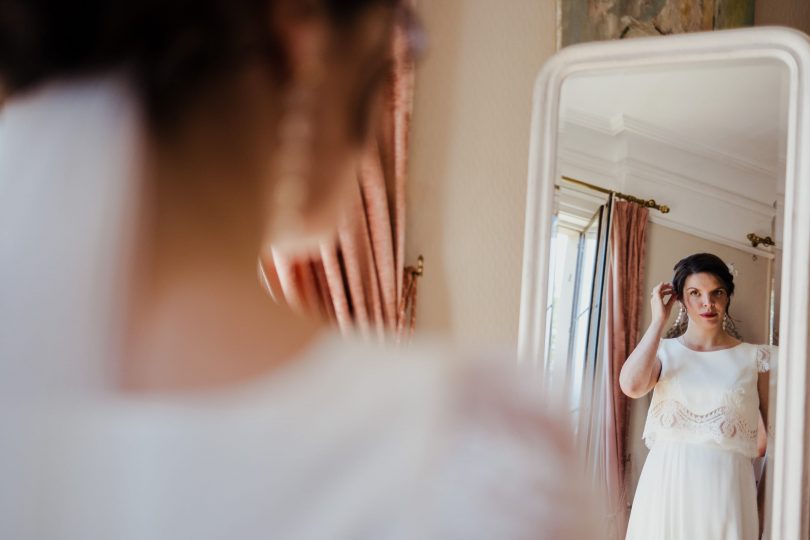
(704, 425)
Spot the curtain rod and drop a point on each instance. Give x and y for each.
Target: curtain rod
(647, 203)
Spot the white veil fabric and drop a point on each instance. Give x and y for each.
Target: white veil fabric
(68, 173)
(68, 168)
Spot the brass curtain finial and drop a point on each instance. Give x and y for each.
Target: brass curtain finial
(757, 240)
(406, 311)
(647, 203)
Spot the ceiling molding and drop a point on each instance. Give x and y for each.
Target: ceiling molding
(670, 138)
(646, 172)
(595, 122)
(622, 124)
(603, 168)
(651, 173)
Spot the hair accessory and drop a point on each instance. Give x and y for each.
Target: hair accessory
(681, 313)
(732, 270)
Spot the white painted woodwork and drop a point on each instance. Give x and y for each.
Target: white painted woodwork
(707, 141)
(634, 164)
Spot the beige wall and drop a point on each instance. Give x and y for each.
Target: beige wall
(469, 162)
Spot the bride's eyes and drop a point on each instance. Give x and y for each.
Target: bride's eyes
(718, 292)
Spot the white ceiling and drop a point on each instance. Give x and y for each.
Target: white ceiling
(737, 109)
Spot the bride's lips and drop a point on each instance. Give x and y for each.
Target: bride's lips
(708, 315)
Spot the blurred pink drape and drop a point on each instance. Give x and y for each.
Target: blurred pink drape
(628, 237)
(359, 281)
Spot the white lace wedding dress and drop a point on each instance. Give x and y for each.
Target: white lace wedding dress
(698, 480)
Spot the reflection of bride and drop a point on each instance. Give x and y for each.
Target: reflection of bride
(702, 428)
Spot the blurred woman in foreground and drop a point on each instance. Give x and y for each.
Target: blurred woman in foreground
(150, 390)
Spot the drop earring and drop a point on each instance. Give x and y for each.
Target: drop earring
(292, 167)
(296, 141)
(294, 150)
(679, 326)
(679, 318)
(729, 327)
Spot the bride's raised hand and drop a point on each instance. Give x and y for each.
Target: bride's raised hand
(662, 299)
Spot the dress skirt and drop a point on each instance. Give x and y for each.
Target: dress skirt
(694, 492)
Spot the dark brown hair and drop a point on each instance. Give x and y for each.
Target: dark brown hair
(171, 48)
(701, 263)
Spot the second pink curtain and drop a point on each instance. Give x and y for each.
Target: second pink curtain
(628, 237)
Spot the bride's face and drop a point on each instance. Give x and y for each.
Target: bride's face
(706, 300)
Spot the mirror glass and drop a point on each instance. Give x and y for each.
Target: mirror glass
(702, 147)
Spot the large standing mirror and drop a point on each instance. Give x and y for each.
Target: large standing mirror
(644, 153)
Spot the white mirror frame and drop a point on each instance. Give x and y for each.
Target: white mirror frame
(790, 47)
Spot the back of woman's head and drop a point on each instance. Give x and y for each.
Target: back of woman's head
(701, 263)
(173, 49)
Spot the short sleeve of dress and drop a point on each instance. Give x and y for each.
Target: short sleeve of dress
(765, 353)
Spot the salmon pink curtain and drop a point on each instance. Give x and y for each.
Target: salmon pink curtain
(624, 296)
(359, 280)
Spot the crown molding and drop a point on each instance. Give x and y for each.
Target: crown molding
(603, 168)
(595, 122)
(622, 124)
(647, 172)
(629, 168)
(670, 138)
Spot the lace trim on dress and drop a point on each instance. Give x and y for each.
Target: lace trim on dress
(763, 359)
(721, 423)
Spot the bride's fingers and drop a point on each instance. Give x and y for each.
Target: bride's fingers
(665, 289)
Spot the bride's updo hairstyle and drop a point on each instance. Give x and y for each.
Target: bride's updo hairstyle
(173, 50)
(697, 264)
